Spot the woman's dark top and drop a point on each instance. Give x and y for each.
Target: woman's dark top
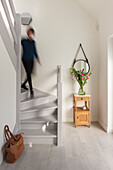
(29, 50)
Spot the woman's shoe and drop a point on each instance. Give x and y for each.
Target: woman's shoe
(32, 95)
(24, 87)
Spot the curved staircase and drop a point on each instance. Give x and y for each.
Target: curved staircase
(37, 113)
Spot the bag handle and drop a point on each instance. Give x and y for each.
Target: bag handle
(7, 132)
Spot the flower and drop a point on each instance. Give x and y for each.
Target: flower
(82, 74)
(87, 77)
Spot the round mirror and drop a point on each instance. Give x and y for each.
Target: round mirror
(82, 65)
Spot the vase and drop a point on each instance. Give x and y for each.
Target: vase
(81, 91)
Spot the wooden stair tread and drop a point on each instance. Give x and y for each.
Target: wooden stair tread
(38, 133)
(42, 119)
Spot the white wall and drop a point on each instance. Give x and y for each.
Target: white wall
(7, 95)
(106, 29)
(60, 26)
(102, 10)
(110, 85)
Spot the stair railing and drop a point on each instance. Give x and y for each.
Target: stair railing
(59, 103)
(8, 15)
(5, 17)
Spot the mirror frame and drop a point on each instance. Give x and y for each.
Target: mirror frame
(86, 60)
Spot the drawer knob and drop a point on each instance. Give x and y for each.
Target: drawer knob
(82, 98)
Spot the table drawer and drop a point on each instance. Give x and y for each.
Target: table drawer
(82, 98)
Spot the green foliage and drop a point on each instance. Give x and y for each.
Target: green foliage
(80, 76)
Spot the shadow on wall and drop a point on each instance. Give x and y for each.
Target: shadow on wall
(53, 88)
(69, 115)
(3, 150)
(47, 79)
(50, 74)
(67, 110)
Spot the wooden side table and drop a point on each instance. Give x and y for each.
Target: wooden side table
(81, 116)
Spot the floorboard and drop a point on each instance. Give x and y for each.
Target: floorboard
(83, 149)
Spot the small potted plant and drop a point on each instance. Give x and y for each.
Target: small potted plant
(82, 79)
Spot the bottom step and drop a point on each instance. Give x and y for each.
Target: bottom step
(37, 136)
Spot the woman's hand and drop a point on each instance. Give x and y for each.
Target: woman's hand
(38, 61)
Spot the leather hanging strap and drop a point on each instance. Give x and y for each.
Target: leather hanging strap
(83, 52)
(8, 134)
(75, 59)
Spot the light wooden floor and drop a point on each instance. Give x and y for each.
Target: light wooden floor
(83, 149)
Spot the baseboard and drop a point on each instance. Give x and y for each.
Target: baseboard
(67, 120)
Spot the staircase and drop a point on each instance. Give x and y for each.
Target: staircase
(39, 119)
(35, 115)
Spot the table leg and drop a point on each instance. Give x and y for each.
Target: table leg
(89, 116)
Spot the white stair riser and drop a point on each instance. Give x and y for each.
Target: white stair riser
(34, 102)
(44, 112)
(24, 95)
(40, 140)
(36, 92)
(37, 126)
(52, 99)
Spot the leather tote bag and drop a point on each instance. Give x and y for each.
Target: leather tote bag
(14, 146)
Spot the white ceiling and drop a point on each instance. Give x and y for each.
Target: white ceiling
(95, 7)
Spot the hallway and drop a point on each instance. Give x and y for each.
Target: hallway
(83, 149)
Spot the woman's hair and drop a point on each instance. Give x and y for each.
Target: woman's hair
(31, 29)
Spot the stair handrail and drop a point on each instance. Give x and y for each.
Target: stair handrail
(13, 10)
(59, 103)
(7, 41)
(12, 47)
(6, 10)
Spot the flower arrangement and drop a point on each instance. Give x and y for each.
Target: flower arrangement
(82, 79)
